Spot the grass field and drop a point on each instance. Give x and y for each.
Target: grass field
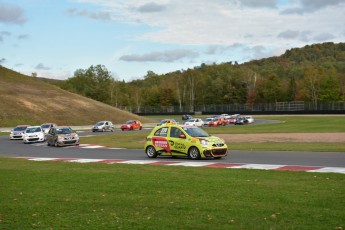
(57, 195)
(48, 195)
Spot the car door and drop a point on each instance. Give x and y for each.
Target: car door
(199, 122)
(135, 125)
(50, 136)
(178, 142)
(106, 125)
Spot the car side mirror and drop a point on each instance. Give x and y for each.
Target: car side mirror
(182, 136)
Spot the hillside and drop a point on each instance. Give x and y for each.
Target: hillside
(27, 100)
(314, 73)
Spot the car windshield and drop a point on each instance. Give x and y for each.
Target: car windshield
(129, 122)
(64, 131)
(45, 126)
(196, 132)
(33, 129)
(191, 120)
(100, 123)
(21, 128)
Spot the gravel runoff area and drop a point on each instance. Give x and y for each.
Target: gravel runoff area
(284, 137)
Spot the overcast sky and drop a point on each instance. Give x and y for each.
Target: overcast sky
(54, 38)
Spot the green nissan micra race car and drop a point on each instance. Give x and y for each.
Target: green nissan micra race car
(182, 141)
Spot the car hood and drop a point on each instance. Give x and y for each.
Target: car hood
(35, 133)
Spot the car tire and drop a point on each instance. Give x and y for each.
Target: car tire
(56, 144)
(48, 143)
(140, 128)
(194, 153)
(151, 152)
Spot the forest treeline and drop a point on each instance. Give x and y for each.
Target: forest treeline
(314, 73)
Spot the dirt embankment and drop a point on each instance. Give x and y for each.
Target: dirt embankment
(284, 137)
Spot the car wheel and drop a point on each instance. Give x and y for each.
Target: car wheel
(56, 144)
(151, 152)
(194, 153)
(48, 143)
(140, 128)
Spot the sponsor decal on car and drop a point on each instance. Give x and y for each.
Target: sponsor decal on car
(161, 143)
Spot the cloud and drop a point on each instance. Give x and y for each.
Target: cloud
(289, 34)
(2, 60)
(40, 66)
(323, 37)
(3, 34)
(225, 22)
(259, 4)
(151, 7)
(23, 36)
(100, 15)
(167, 56)
(309, 6)
(11, 14)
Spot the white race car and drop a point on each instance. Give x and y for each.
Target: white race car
(33, 134)
(194, 122)
(18, 132)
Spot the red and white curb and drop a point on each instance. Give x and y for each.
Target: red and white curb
(296, 168)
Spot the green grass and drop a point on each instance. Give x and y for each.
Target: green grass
(48, 195)
(289, 124)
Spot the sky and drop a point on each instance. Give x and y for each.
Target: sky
(54, 38)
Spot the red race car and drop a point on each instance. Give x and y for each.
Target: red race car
(131, 125)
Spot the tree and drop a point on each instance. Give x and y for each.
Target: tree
(95, 82)
(312, 84)
(330, 87)
(271, 90)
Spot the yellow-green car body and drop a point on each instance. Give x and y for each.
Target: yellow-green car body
(184, 141)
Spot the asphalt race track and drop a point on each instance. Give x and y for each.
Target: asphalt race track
(16, 148)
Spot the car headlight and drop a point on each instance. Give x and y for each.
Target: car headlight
(204, 142)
